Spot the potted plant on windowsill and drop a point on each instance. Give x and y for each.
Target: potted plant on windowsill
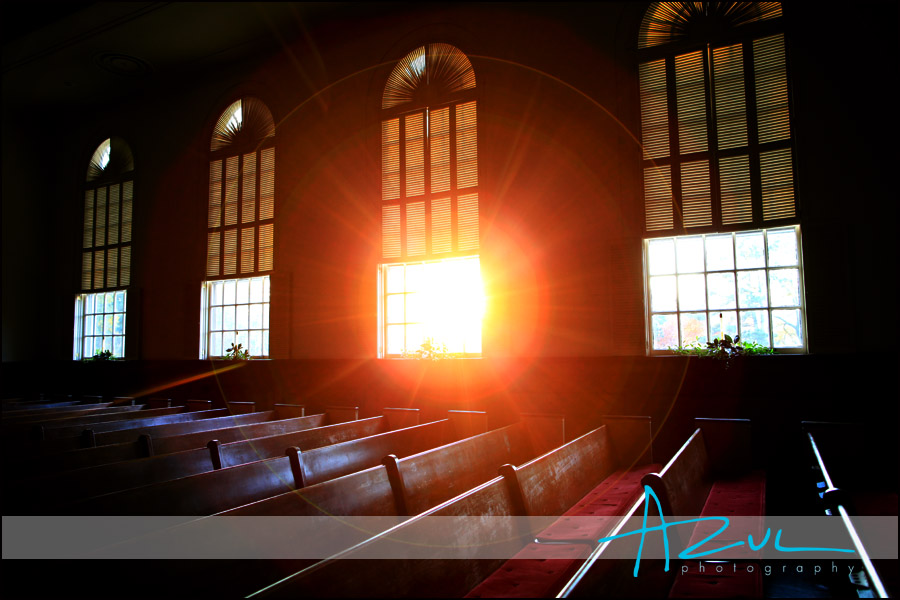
(726, 349)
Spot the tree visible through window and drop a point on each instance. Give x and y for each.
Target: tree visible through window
(240, 231)
(100, 308)
(429, 279)
(718, 157)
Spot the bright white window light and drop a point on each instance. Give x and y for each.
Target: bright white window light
(439, 300)
(235, 311)
(100, 324)
(747, 283)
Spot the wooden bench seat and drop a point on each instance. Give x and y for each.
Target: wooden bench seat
(699, 480)
(852, 481)
(141, 444)
(226, 488)
(62, 488)
(546, 486)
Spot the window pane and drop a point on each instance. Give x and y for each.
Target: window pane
(218, 291)
(120, 302)
(227, 341)
(242, 339)
(395, 342)
(108, 325)
(755, 326)
(691, 292)
(228, 318)
(728, 319)
(784, 286)
(661, 257)
(265, 316)
(110, 303)
(229, 292)
(693, 328)
(690, 254)
(394, 279)
(787, 328)
(783, 248)
(256, 320)
(720, 290)
(242, 317)
(243, 291)
(415, 337)
(119, 346)
(215, 345)
(395, 309)
(88, 347)
(256, 290)
(417, 277)
(89, 303)
(107, 343)
(719, 253)
(750, 254)
(415, 308)
(665, 331)
(98, 325)
(752, 289)
(256, 343)
(88, 324)
(662, 293)
(215, 318)
(265, 343)
(119, 324)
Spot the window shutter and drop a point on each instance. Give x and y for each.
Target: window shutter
(267, 247)
(390, 159)
(658, 198)
(213, 253)
(112, 267)
(248, 200)
(127, 210)
(113, 230)
(439, 136)
(231, 190)
(731, 112)
(415, 154)
(267, 184)
(390, 227)
(690, 94)
(466, 146)
(415, 229)
(99, 265)
(441, 230)
(654, 109)
(777, 184)
(734, 182)
(100, 219)
(248, 249)
(230, 262)
(125, 266)
(467, 214)
(771, 89)
(695, 195)
(88, 219)
(215, 193)
(86, 270)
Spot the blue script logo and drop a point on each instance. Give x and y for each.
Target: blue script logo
(690, 551)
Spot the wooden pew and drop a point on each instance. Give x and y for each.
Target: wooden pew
(62, 488)
(546, 486)
(22, 421)
(141, 445)
(853, 479)
(405, 486)
(51, 409)
(219, 490)
(711, 474)
(48, 430)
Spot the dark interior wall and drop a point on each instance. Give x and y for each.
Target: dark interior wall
(561, 206)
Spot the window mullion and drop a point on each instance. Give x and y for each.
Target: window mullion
(454, 182)
(752, 134)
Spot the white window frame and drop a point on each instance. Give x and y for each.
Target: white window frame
(208, 325)
(712, 314)
(82, 303)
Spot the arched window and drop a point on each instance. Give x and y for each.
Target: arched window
(430, 275)
(101, 307)
(240, 231)
(722, 247)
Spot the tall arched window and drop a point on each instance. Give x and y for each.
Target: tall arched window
(240, 231)
(430, 275)
(722, 248)
(101, 307)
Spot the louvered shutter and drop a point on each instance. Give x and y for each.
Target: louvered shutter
(654, 109)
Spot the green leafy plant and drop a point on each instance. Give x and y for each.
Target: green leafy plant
(102, 355)
(726, 349)
(237, 353)
(430, 350)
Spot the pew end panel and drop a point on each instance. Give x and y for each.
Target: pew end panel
(290, 411)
